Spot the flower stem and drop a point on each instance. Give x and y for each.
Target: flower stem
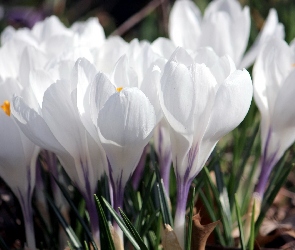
(118, 194)
(179, 221)
(28, 221)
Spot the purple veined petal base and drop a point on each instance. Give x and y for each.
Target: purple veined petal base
(118, 198)
(26, 207)
(267, 165)
(165, 160)
(183, 186)
(165, 167)
(138, 172)
(91, 207)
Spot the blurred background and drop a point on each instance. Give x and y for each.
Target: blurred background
(149, 18)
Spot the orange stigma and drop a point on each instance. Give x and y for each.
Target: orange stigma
(6, 107)
(119, 89)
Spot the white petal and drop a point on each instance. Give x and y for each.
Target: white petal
(123, 75)
(222, 68)
(31, 59)
(91, 32)
(150, 86)
(205, 55)
(216, 33)
(270, 69)
(180, 146)
(177, 97)
(51, 26)
(284, 115)
(164, 47)
(82, 75)
(11, 152)
(126, 123)
(61, 117)
(184, 24)
(109, 53)
(231, 105)
(205, 89)
(271, 28)
(40, 80)
(127, 117)
(34, 126)
(230, 24)
(98, 93)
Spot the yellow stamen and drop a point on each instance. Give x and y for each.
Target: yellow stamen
(293, 65)
(119, 89)
(6, 107)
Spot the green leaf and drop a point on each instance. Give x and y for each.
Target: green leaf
(146, 198)
(252, 231)
(190, 221)
(237, 172)
(68, 229)
(162, 196)
(150, 220)
(223, 194)
(225, 220)
(133, 231)
(241, 229)
(105, 234)
(86, 245)
(70, 246)
(76, 212)
(121, 224)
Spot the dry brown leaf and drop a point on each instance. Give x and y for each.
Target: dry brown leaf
(116, 239)
(170, 241)
(271, 230)
(200, 233)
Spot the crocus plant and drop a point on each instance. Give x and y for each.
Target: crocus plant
(225, 27)
(273, 78)
(18, 157)
(82, 157)
(203, 97)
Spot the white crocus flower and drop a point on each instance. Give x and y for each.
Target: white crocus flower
(274, 90)
(125, 119)
(53, 38)
(271, 28)
(203, 98)
(225, 27)
(57, 124)
(18, 156)
(125, 125)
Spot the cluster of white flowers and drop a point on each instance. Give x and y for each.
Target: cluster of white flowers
(96, 102)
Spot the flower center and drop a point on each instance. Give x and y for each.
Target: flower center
(119, 89)
(6, 107)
